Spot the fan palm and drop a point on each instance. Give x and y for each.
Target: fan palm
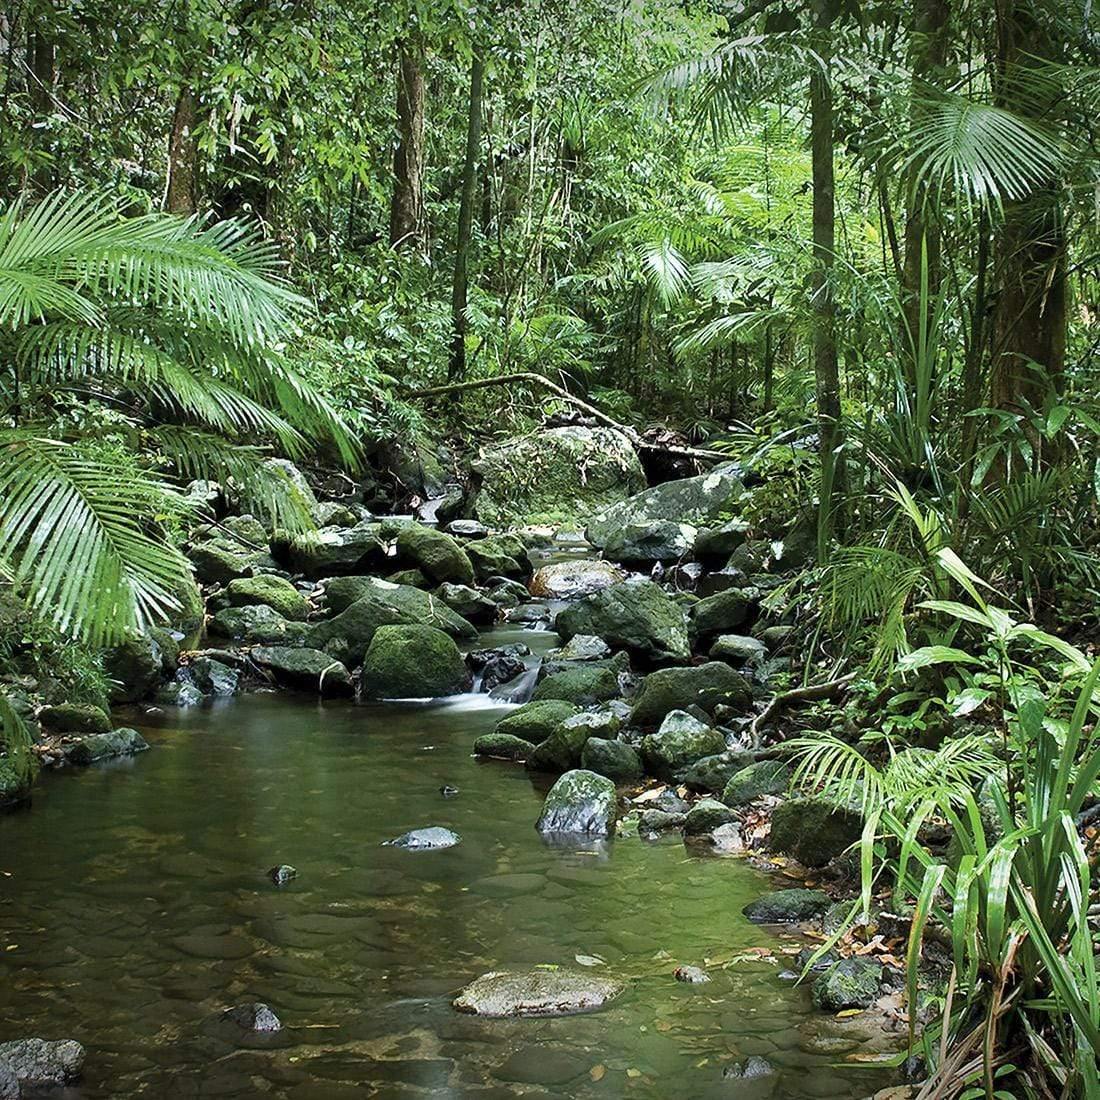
(176, 323)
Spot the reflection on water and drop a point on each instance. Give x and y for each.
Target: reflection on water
(134, 907)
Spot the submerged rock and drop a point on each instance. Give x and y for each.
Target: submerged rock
(693, 975)
(785, 906)
(570, 580)
(582, 803)
(850, 983)
(105, 746)
(38, 1062)
(572, 471)
(636, 615)
(536, 993)
(304, 669)
(751, 1068)
(253, 1017)
(412, 662)
(433, 838)
(706, 686)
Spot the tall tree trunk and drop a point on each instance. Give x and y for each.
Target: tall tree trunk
(1029, 311)
(457, 367)
(826, 363)
(928, 41)
(181, 194)
(407, 201)
(41, 82)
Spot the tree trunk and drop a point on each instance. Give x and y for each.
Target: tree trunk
(181, 193)
(826, 363)
(927, 58)
(1029, 312)
(407, 201)
(41, 82)
(457, 367)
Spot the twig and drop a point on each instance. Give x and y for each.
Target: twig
(797, 695)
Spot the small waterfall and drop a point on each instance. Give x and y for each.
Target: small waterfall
(518, 690)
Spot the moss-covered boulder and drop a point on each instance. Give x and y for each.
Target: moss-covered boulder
(535, 721)
(681, 740)
(570, 471)
(74, 718)
(331, 550)
(715, 544)
(502, 746)
(643, 544)
(785, 906)
(304, 669)
(468, 602)
(705, 816)
(637, 615)
(219, 560)
(135, 668)
(501, 555)
(580, 803)
(738, 650)
(105, 746)
(562, 750)
(712, 773)
(755, 781)
(695, 500)
(723, 613)
(256, 625)
(582, 686)
(850, 983)
(616, 760)
(705, 686)
(438, 556)
(813, 831)
(378, 603)
(412, 662)
(270, 591)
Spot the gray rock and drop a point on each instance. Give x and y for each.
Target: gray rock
(786, 906)
(705, 686)
(432, 839)
(681, 740)
(180, 693)
(37, 1062)
(581, 647)
(705, 816)
(775, 637)
(644, 544)
(580, 803)
(850, 983)
(692, 975)
(717, 543)
(253, 1017)
(695, 500)
(659, 821)
(467, 529)
(501, 994)
(570, 580)
(256, 625)
(759, 779)
(712, 773)
(727, 838)
(616, 760)
(636, 615)
(304, 669)
(738, 649)
(505, 592)
(331, 550)
(502, 669)
(751, 1068)
(9, 1083)
(212, 677)
(282, 874)
(283, 472)
(723, 613)
(105, 746)
(571, 471)
(135, 668)
(468, 602)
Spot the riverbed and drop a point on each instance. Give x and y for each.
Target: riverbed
(135, 907)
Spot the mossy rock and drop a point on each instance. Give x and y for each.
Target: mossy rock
(502, 746)
(564, 747)
(438, 556)
(850, 983)
(135, 668)
(412, 662)
(723, 613)
(256, 625)
(501, 555)
(274, 592)
(468, 602)
(637, 615)
(787, 906)
(582, 686)
(712, 773)
(331, 550)
(580, 803)
(535, 721)
(74, 718)
(304, 669)
(755, 781)
(15, 782)
(681, 740)
(220, 560)
(616, 760)
(705, 816)
(105, 746)
(706, 686)
(813, 831)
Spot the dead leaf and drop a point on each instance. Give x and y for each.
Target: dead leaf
(598, 1072)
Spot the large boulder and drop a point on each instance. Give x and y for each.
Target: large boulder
(134, 668)
(694, 500)
(74, 718)
(570, 580)
(379, 603)
(412, 662)
(706, 686)
(468, 602)
(270, 591)
(331, 550)
(535, 721)
(220, 559)
(304, 669)
(681, 740)
(37, 1063)
(813, 831)
(584, 685)
(643, 544)
(256, 625)
(581, 803)
(637, 615)
(569, 471)
(501, 555)
(616, 760)
(536, 993)
(723, 613)
(438, 556)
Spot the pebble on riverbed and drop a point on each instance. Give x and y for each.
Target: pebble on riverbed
(253, 1017)
(693, 975)
(282, 874)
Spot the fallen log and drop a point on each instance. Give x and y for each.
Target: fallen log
(810, 693)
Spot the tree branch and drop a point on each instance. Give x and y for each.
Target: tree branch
(797, 695)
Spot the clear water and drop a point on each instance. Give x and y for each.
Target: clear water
(134, 907)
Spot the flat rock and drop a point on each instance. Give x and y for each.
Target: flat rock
(433, 838)
(536, 993)
(43, 1061)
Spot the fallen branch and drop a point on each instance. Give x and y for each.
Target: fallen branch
(810, 693)
(560, 391)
